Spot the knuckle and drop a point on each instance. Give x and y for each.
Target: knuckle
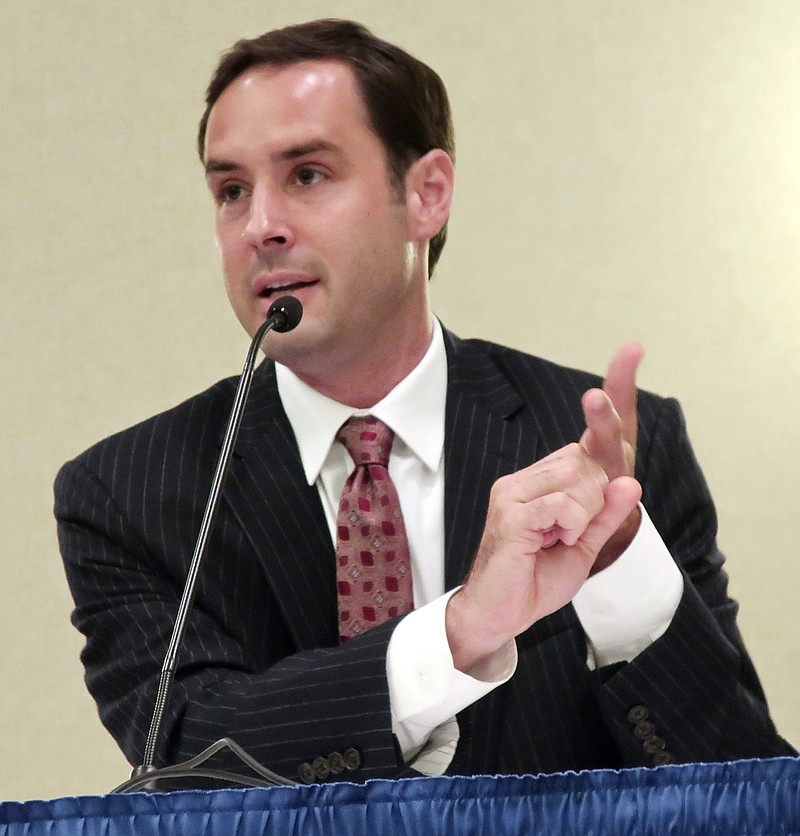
(502, 486)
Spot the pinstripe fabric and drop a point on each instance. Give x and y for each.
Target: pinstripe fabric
(262, 662)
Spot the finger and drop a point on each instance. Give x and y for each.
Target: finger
(621, 497)
(620, 386)
(558, 516)
(603, 421)
(567, 469)
(603, 437)
(610, 413)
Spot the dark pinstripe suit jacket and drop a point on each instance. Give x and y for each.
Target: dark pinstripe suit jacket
(261, 661)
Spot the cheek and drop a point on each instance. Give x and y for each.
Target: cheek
(221, 235)
(232, 250)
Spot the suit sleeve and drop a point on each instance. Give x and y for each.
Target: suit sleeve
(693, 695)
(239, 674)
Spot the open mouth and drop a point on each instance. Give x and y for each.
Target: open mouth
(274, 291)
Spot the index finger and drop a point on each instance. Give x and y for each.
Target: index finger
(620, 386)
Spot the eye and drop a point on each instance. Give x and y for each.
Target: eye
(230, 193)
(307, 176)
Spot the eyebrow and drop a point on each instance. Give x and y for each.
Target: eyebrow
(308, 148)
(295, 152)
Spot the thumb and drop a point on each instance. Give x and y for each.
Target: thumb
(621, 496)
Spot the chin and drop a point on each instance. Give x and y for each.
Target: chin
(283, 348)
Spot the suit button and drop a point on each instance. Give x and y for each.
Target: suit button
(644, 730)
(638, 713)
(321, 768)
(662, 758)
(306, 773)
(336, 763)
(352, 758)
(654, 745)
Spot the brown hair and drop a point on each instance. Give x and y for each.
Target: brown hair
(405, 99)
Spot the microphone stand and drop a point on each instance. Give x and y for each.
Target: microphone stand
(284, 314)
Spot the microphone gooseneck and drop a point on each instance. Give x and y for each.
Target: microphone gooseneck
(284, 314)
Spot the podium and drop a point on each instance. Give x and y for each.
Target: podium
(752, 796)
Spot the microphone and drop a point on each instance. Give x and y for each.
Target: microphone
(284, 315)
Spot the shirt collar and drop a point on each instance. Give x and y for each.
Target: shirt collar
(414, 409)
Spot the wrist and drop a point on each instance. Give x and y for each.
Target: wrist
(471, 644)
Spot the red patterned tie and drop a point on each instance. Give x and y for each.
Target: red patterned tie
(373, 565)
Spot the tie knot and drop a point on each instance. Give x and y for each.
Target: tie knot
(367, 440)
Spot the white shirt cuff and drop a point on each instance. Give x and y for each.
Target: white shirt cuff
(630, 604)
(425, 689)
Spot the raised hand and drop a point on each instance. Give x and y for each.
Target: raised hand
(547, 525)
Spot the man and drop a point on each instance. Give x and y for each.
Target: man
(557, 624)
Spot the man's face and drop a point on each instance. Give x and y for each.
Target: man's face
(304, 205)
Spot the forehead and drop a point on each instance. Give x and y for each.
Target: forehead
(287, 105)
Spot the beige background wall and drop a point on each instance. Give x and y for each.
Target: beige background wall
(626, 169)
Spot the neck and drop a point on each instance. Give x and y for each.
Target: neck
(363, 381)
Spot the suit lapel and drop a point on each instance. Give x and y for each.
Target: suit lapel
(485, 438)
(282, 516)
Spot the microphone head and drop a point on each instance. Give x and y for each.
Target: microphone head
(285, 313)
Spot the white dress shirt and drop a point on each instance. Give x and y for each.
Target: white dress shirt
(622, 609)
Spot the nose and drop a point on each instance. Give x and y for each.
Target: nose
(268, 220)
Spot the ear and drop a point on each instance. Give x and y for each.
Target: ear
(429, 192)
